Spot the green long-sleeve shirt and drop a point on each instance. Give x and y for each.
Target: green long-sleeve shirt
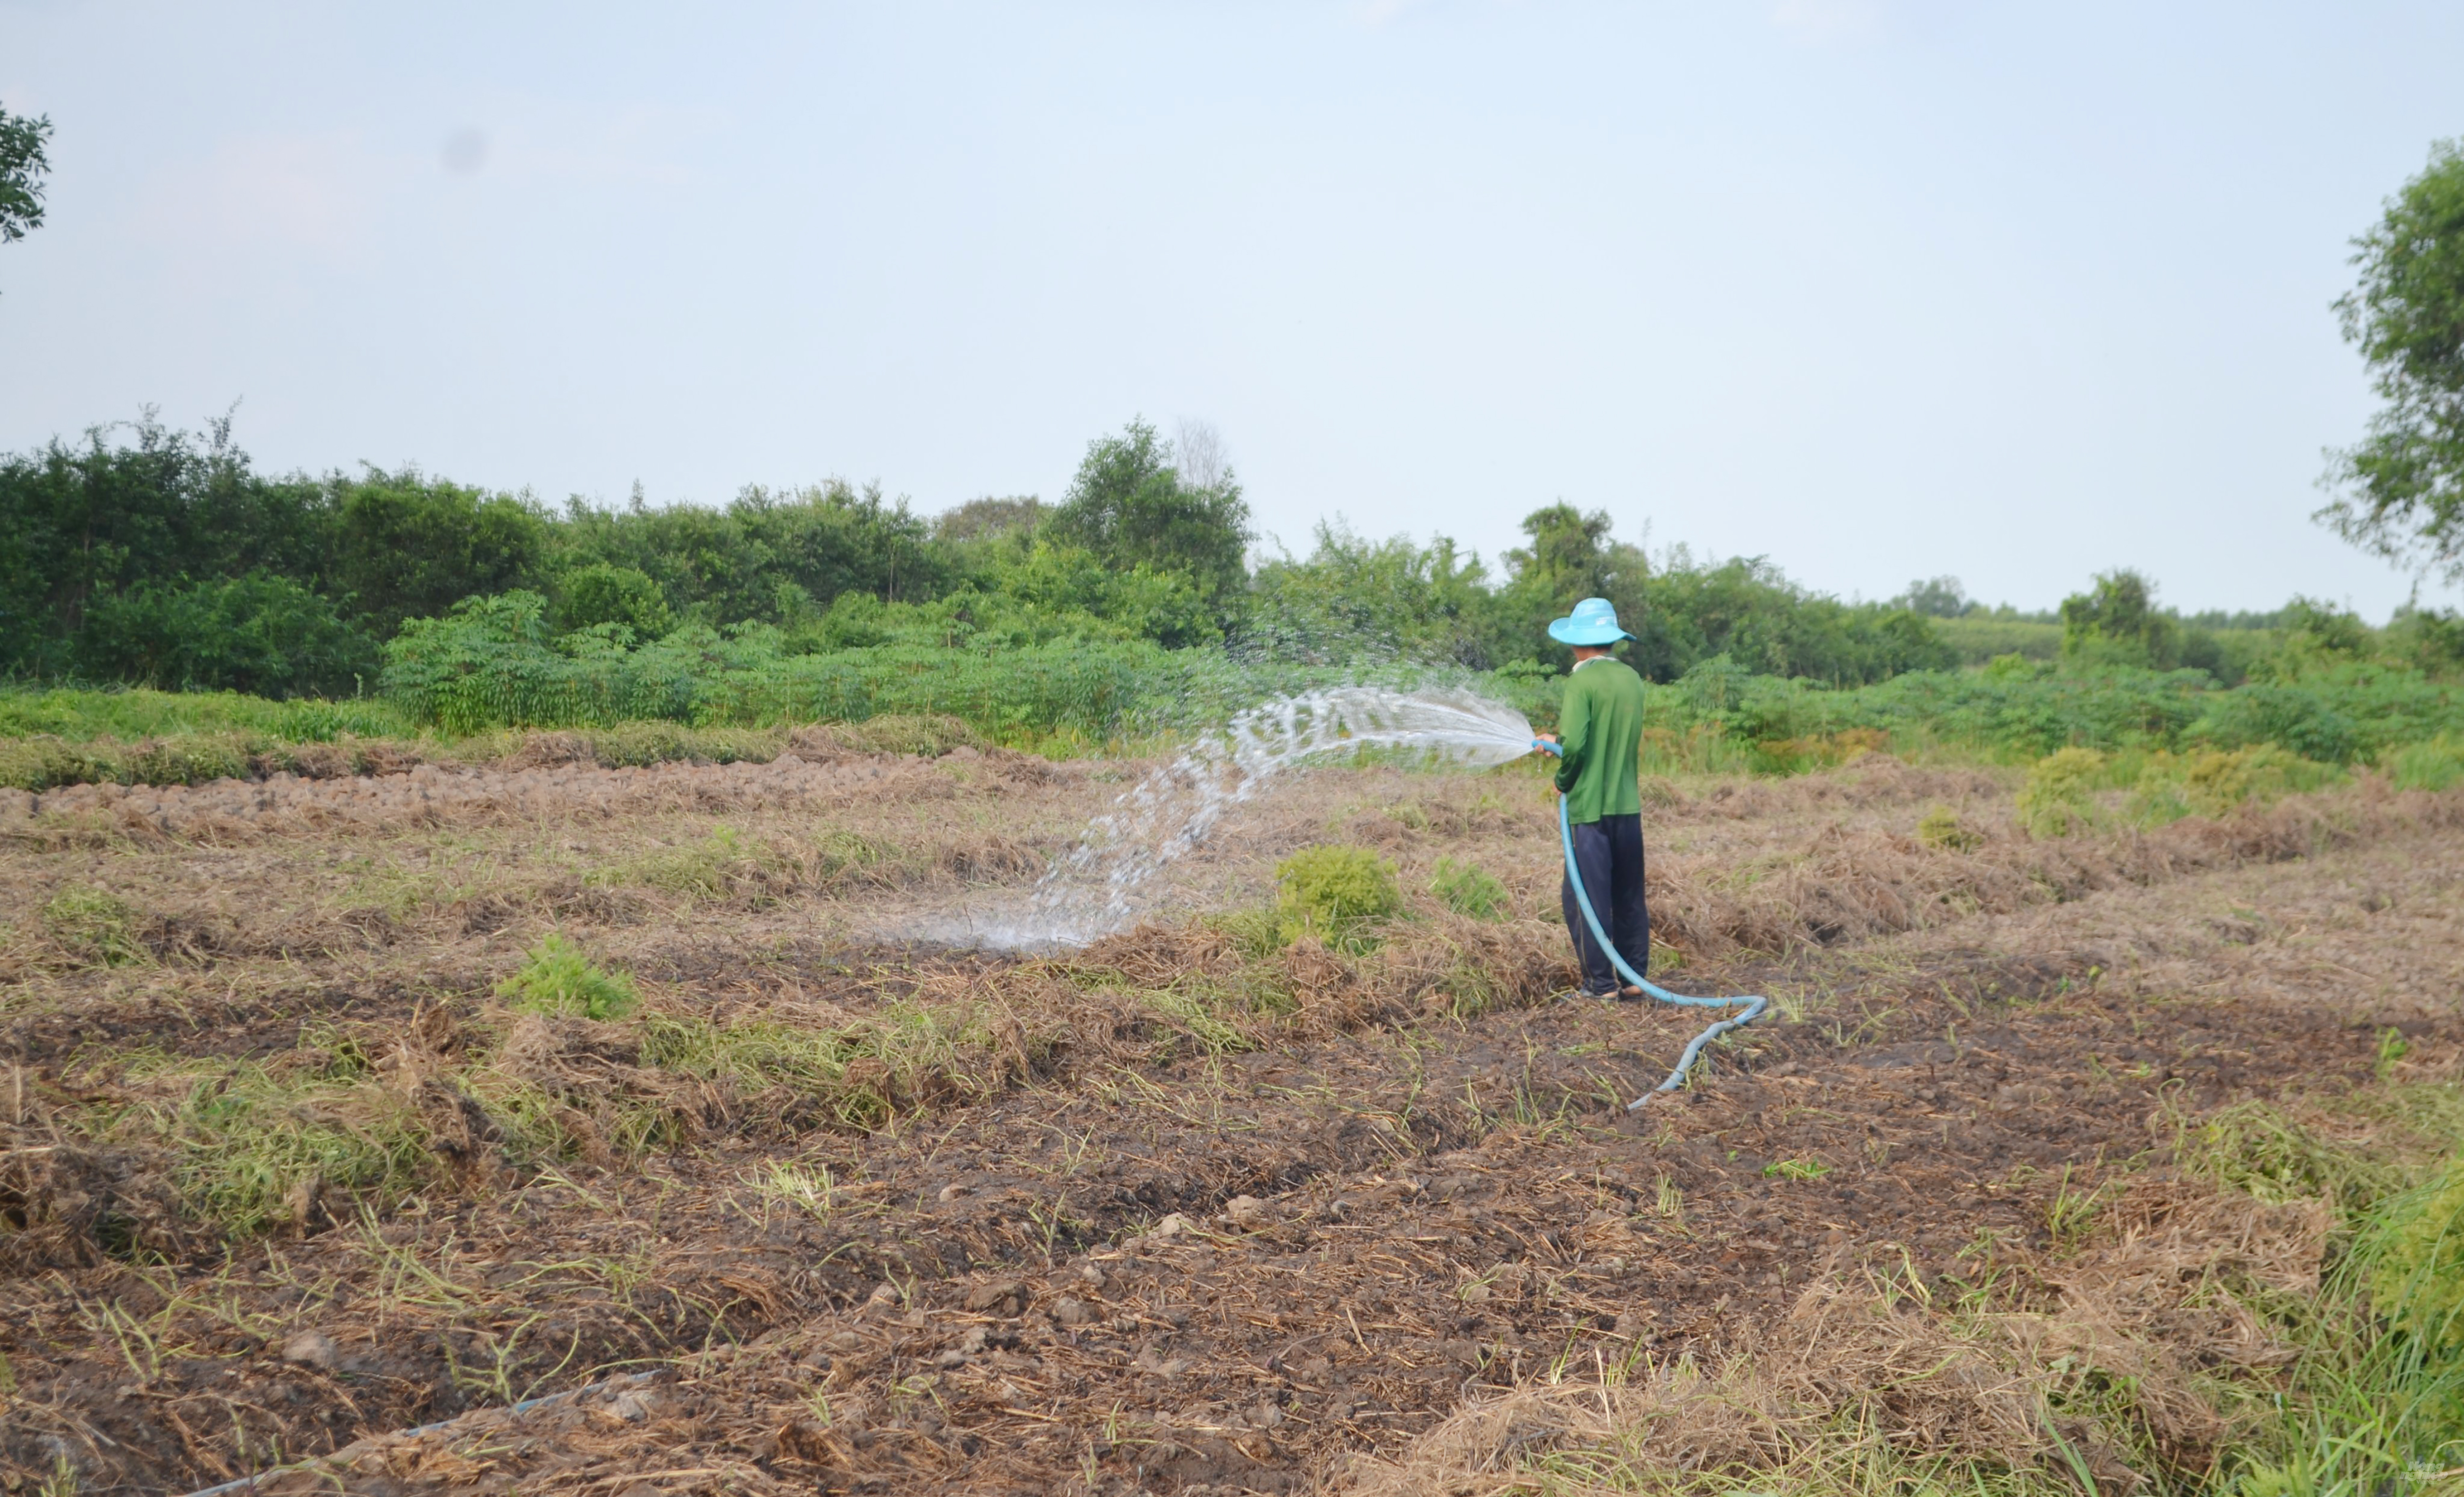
(1600, 728)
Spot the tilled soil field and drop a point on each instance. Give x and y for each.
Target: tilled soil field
(288, 1179)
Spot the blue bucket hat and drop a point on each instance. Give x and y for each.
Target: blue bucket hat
(1594, 622)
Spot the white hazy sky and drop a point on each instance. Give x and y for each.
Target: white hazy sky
(1876, 288)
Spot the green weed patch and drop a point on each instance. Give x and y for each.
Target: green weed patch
(93, 924)
(559, 978)
(1469, 890)
(1335, 893)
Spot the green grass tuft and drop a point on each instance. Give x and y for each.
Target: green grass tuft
(558, 979)
(2417, 1281)
(93, 924)
(1469, 890)
(1335, 893)
(2431, 765)
(1795, 1170)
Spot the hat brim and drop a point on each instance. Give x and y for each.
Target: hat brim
(1566, 631)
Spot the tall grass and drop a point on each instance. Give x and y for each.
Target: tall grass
(2375, 1400)
(83, 716)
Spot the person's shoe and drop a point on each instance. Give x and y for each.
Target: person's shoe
(1629, 994)
(1605, 994)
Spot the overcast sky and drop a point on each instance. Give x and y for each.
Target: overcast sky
(1876, 288)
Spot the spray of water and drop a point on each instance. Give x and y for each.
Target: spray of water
(1110, 879)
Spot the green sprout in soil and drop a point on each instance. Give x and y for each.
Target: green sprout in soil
(1795, 1170)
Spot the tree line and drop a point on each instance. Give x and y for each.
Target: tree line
(146, 555)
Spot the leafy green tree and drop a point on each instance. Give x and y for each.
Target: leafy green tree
(984, 518)
(23, 165)
(1388, 599)
(1147, 602)
(2431, 640)
(2117, 623)
(1936, 598)
(262, 635)
(771, 556)
(1129, 506)
(1746, 611)
(114, 514)
(603, 594)
(2400, 491)
(1570, 558)
(409, 546)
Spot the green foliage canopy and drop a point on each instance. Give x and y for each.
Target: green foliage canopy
(258, 633)
(2400, 491)
(23, 164)
(79, 522)
(1129, 506)
(771, 556)
(2117, 623)
(403, 546)
(600, 593)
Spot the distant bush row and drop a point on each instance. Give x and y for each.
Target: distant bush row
(2338, 713)
(145, 556)
(722, 699)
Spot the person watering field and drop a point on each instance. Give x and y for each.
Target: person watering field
(1598, 744)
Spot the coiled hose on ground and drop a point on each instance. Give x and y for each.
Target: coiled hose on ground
(1754, 1006)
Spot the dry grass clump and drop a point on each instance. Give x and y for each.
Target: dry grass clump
(930, 733)
(1240, 983)
(234, 811)
(1850, 883)
(166, 1155)
(1871, 780)
(1944, 831)
(2102, 1370)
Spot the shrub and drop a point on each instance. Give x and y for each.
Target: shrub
(603, 594)
(558, 979)
(258, 633)
(81, 716)
(2215, 783)
(2059, 797)
(1469, 890)
(1333, 893)
(492, 663)
(1943, 828)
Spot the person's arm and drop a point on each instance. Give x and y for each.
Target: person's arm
(1573, 736)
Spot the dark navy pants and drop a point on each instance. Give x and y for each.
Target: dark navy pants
(1609, 852)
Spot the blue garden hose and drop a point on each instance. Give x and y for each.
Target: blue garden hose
(1754, 1006)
